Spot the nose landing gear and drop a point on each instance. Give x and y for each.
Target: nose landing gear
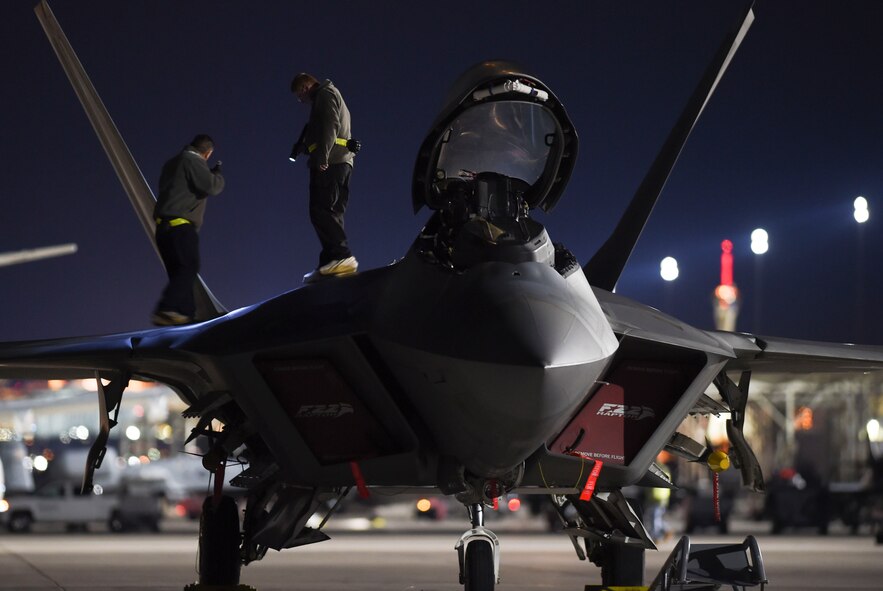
(478, 552)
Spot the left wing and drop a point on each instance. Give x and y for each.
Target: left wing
(69, 358)
(147, 354)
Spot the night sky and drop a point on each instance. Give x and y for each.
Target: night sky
(792, 135)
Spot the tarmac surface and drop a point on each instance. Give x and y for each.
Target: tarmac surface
(418, 559)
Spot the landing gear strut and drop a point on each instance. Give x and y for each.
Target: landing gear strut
(478, 551)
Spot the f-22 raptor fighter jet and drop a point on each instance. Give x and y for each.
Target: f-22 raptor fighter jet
(486, 361)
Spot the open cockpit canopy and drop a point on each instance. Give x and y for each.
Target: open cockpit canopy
(499, 123)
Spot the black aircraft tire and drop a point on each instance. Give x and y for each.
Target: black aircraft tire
(479, 566)
(219, 541)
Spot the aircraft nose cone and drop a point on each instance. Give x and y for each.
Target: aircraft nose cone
(495, 359)
(524, 315)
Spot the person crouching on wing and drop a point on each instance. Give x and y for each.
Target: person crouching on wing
(184, 184)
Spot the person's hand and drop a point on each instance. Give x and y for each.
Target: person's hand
(217, 168)
(323, 167)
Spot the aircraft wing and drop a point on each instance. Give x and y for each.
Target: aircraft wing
(743, 351)
(780, 355)
(69, 358)
(147, 354)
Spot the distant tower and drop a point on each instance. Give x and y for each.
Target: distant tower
(726, 295)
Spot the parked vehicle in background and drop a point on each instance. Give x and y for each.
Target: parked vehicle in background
(796, 501)
(134, 504)
(60, 502)
(14, 476)
(140, 504)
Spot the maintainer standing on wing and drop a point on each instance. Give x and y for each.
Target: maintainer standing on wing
(327, 138)
(184, 184)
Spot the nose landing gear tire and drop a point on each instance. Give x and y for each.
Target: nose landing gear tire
(479, 566)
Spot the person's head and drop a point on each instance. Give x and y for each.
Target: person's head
(302, 85)
(203, 144)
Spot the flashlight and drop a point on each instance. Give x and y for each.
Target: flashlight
(296, 150)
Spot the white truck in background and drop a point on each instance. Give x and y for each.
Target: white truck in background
(136, 504)
(14, 477)
(61, 502)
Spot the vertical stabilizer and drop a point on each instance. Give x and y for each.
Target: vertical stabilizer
(127, 170)
(605, 268)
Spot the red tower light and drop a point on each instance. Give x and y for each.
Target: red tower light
(727, 263)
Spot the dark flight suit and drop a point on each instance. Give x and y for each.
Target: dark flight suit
(184, 184)
(327, 130)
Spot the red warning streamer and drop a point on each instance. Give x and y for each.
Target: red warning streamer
(589, 488)
(715, 492)
(360, 480)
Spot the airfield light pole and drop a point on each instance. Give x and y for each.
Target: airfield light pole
(861, 214)
(668, 270)
(759, 246)
(726, 295)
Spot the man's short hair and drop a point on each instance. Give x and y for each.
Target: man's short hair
(203, 143)
(303, 79)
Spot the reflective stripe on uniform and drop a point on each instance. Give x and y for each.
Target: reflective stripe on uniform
(339, 141)
(173, 221)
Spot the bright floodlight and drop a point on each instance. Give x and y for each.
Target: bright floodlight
(760, 241)
(668, 269)
(874, 433)
(861, 213)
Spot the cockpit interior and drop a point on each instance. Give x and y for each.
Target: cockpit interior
(492, 157)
